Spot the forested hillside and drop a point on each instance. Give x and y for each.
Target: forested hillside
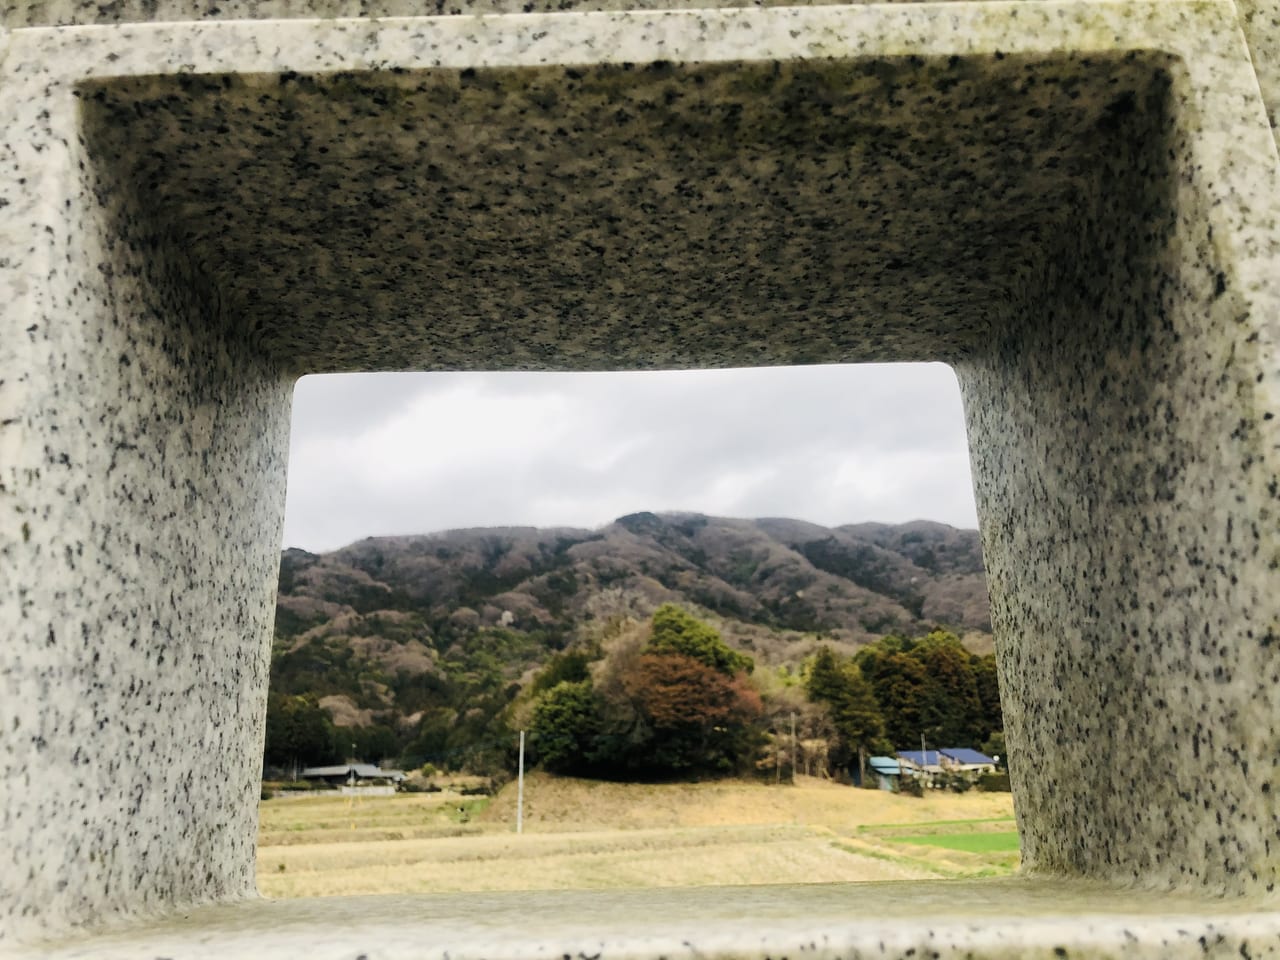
(428, 648)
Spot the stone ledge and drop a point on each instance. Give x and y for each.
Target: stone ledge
(1021, 917)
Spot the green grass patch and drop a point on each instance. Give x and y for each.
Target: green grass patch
(931, 824)
(986, 842)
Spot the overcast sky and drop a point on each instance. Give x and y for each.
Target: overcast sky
(377, 454)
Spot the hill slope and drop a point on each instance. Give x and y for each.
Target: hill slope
(389, 629)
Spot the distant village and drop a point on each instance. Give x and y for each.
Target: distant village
(931, 769)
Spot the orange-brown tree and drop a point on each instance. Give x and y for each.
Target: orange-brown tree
(682, 704)
(700, 717)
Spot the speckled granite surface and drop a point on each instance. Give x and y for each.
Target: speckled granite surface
(1260, 19)
(39, 13)
(701, 214)
(142, 451)
(943, 920)
(1072, 202)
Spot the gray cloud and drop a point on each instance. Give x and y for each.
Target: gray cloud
(412, 453)
(348, 404)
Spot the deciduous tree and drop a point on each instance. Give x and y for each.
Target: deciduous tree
(700, 717)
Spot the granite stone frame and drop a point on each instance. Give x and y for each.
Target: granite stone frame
(1072, 203)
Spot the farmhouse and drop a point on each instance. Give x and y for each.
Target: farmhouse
(929, 763)
(887, 771)
(917, 763)
(350, 772)
(966, 760)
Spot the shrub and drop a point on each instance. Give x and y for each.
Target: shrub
(994, 783)
(295, 785)
(955, 782)
(418, 786)
(910, 786)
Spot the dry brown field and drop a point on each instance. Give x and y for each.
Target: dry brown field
(582, 834)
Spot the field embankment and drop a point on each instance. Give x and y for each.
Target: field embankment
(582, 834)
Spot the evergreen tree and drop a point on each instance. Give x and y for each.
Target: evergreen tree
(951, 711)
(565, 723)
(299, 732)
(932, 686)
(900, 685)
(676, 631)
(855, 714)
(824, 683)
(569, 666)
(984, 672)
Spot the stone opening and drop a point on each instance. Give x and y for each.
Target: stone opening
(1014, 216)
(455, 590)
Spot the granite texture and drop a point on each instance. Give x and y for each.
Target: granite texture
(1071, 202)
(41, 13)
(1260, 22)
(702, 214)
(1260, 19)
(1133, 455)
(142, 457)
(942, 920)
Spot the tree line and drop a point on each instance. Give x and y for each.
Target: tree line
(668, 697)
(675, 699)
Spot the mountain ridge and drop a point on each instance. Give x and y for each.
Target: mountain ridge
(736, 568)
(848, 584)
(422, 641)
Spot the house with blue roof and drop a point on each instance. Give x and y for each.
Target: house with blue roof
(962, 758)
(887, 771)
(926, 764)
(918, 762)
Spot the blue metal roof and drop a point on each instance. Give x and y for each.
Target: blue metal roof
(926, 758)
(885, 765)
(965, 755)
(930, 758)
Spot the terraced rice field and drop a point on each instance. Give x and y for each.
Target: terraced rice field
(589, 835)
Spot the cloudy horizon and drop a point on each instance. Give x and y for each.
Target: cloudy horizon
(398, 454)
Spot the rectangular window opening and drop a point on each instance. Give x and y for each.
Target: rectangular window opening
(740, 616)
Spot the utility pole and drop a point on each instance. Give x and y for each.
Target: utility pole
(520, 790)
(793, 746)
